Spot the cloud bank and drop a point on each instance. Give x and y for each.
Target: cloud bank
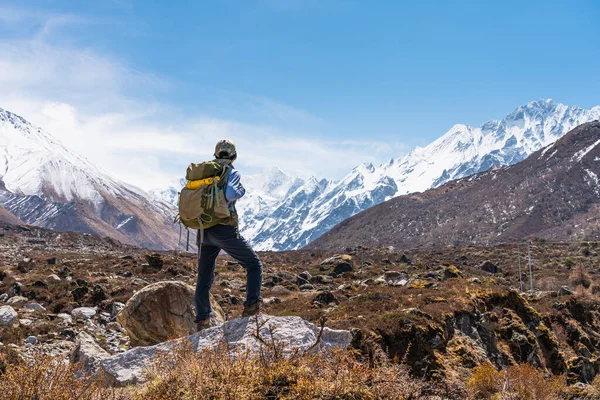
(107, 111)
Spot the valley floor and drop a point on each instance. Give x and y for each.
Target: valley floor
(427, 322)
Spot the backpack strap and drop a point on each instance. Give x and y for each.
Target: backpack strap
(224, 176)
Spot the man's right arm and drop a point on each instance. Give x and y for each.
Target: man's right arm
(234, 189)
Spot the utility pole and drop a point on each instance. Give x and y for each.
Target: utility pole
(520, 274)
(530, 271)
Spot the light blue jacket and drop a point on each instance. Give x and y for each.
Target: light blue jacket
(233, 188)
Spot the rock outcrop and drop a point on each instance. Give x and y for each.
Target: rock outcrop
(161, 311)
(239, 335)
(8, 316)
(88, 352)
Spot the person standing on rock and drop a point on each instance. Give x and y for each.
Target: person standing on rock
(225, 236)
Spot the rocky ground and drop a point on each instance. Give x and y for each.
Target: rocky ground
(441, 312)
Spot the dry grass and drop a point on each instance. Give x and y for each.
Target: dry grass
(215, 375)
(211, 375)
(46, 378)
(518, 382)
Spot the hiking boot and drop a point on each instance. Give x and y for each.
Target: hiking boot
(251, 310)
(202, 324)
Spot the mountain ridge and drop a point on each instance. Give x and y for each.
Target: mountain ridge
(552, 194)
(46, 184)
(310, 211)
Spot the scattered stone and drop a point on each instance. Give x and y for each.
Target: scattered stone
(3, 297)
(51, 261)
(68, 333)
(490, 267)
(580, 369)
(17, 301)
(405, 260)
(126, 257)
(279, 290)
(116, 309)
(239, 334)
(83, 313)
(233, 283)
(35, 307)
(31, 340)
(272, 300)
(8, 317)
(97, 296)
(79, 293)
(393, 278)
(565, 291)
(160, 311)
(26, 265)
(325, 298)
(64, 272)
(40, 284)
(88, 352)
(3, 274)
(305, 275)
(154, 263)
(228, 298)
(307, 287)
(66, 318)
(53, 278)
(321, 279)
(139, 282)
(452, 272)
(25, 322)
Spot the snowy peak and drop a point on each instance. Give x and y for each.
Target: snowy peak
(280, 212)
(46, 184)
(462, 151)
(33, 163)
(558, 200)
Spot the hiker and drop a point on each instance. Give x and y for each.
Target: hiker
(225, 236)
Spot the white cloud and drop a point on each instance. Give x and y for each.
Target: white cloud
(98, 106)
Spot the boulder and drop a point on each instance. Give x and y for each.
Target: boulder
(8, 317)
(565, 291)
(339, 264)
(160, 311)
(88, 352)
(34, 306)
(17, 301)
(83, 313)
(325, 298)
(238, 335)
(580, 369)
(490, 267)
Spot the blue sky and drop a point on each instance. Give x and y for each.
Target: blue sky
(293, 81)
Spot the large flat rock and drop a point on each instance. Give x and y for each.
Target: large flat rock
(239, 334)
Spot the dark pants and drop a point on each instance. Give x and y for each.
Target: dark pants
(224, 237)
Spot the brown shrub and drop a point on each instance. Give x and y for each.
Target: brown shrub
(580, 277)
(518, 382)
(47, 378)
(525, 382)
(485, 382)
(210, 374)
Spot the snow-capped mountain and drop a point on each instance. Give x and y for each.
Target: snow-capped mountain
(265, 191)
(552, 194)
(43, 183)
(462, 151)
(307, 211)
